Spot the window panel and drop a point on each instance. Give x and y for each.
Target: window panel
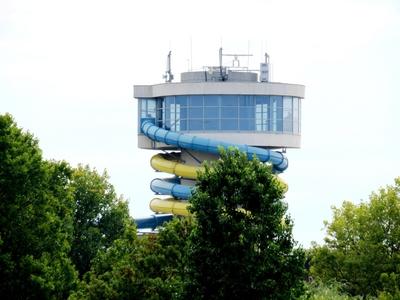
(196, 101)
(229, 112)
(246, 124)
(183, 124)
(182, 100)
(195, 124)
(211, 112)
(262, 99)
(225, 112)
(287, 114)
(195, 112)
(246, 100)
(295, 115)
(246, 112)
(211, 100)
(229, 124)
(229, 100)
(211, 124)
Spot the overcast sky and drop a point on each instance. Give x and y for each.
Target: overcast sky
(67, 70)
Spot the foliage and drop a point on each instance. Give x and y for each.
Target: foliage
(320, 291)
(54, 219)
(150, 267)
(100, 216)
(35, 219)
(241, 246)
(362, 247)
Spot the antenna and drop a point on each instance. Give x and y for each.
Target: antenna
(264, 69)
(168, 73)
(235, 62)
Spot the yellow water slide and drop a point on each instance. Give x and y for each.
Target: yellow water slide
(169, 164)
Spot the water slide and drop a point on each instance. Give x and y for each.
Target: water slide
(169, 163)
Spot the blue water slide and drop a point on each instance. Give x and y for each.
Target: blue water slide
(153, 221)
(191, 142)
(172, 186)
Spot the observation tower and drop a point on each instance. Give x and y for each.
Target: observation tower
(218, 106)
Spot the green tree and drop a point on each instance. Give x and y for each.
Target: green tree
(362, 246)
(241, 246)
(149, 267)
(35, 219)
(100, 216)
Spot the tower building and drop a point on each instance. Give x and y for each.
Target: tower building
(219, 106)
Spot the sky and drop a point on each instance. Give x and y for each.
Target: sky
(67, 70)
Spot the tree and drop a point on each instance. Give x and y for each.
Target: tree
(35, 219)
(241, 246)
(149, 267)
(362, 246)
(100, 216)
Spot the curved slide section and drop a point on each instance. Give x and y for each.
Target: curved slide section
(192, 142)
(170, 163)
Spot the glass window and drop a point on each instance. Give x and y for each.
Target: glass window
(211, 124)
(211, 112)
(169, 100)
(246, 124)
(287, 114)
(196, 101)
(299, 115)
(211, 100)
(195, 112)
(183, 112)
(229, 124)
(182, 100)
(143, 108)
(229, 100)
(246, 101)
(195, 124)
(229, 112)
(177, 117)
(246, 112)
(183, 124)
(262, 99)
(276, 113)
(151, 108)
(295, 115)
(224, 112)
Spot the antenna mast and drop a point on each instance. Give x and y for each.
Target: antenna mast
(168, 73)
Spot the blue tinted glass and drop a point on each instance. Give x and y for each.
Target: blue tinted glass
(195, 112)
(246, 112)
(211, 112)
(246, 100)
(183, 112)
(196, 100)
(169, 100)
(195, 124)
(229, 100)
(278, 100)
(229, 124)
(279, 125)
(211, 100)
(211, 124)
(182, 100)
(262, 99)
(229, 112)
(167, 124)
(247, 124)
(183, 124)
(143, 108)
